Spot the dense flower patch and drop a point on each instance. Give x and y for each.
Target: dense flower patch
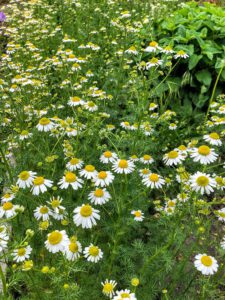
(108, 193)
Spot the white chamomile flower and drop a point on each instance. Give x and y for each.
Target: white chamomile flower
(42, 212)
(138, 215)
(152, 47)
(152, 106)
(70, 179)
(146, 159)
(25, 179)
(91, 106)
(8, 210)
(221, 214)
(24, 135)
(206, 264)
(103, 178)
(55, 203)
(86, 216)
(45, 125)
(74, 164)
(167, 50)
(123, 166)
(75, 101)
(204, 154)
(4, 238)
(107, 157)
(22, 254)
(88, 172)
(124, 295)
(134, 158)
(132, 50)
(73, 249)
(125, 125)
(57, 241)
(202, 183)
(172, 126)
(144, 172)
(153, 180)
(7, 197)
(182, 54)
(183, 197)
(153, 62)
(93, 253)
(213, 139)
(40, 185)
(99, 196)
(173, 158)
(108, 287)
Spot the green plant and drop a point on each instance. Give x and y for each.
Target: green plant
(199, 30)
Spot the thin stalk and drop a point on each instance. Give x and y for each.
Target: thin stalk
(4, 287)
(213, 93)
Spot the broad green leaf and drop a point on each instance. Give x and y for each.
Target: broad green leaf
(193, 61)
(204, 76)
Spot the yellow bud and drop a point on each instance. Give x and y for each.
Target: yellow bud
(45, 269)
(66, 286)
(135, 281)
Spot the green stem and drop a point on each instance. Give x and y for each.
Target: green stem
(7, 165)
(4, 287)
(213, 93)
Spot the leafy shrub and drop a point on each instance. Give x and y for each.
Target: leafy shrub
(200, 30)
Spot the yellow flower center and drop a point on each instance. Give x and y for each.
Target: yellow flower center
(24, 175)
(75, 99)
(181, 52)
(90, 168)
(99, 193)
(126, 123)
(24, 132)
(44, 121)
(107, 154)
(74, 161)
(137, 214)
(107, 288)
(145, 171)
(70, 177)
(171, 203)
(202, 181)
(55, 203)
(125, 295)
(182, 148)
(147, 157)
(7, 206)
(86, 210)
(102, 175)
(90, 104)
(39, 180)
(21, 251)
(172, 154)
(206, 260)
(204, 150)
(73, 247)
(44, 210)
(7, 195)
(154, 177)
(55, 237)
(153, 44)
(214, 136)
(123, 164)
(154, 60)
(93, 251)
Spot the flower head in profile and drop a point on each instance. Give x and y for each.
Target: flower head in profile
(124, 295)
(204, 154)
(40, 185)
